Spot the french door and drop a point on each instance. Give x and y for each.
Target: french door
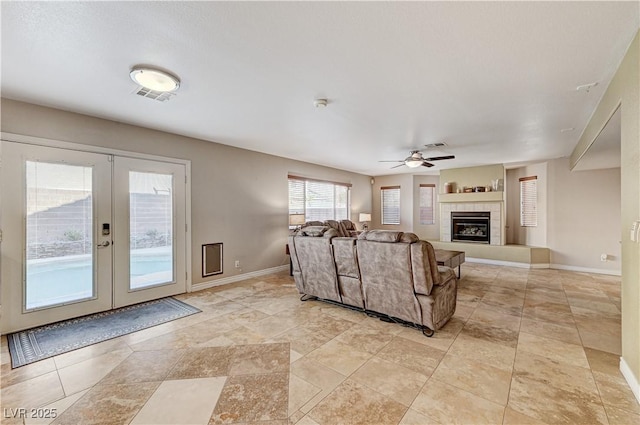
(86, 232)
(149, 230)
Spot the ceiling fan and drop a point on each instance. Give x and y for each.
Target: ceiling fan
(415, 159)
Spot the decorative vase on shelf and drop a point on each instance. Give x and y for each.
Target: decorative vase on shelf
(449, 187)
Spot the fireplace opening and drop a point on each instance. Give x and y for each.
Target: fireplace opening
(470, 226)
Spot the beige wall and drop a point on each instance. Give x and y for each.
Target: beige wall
(239, 197)
(405, 181)
(624, 89)
(409, 205)
(569, 204)
(431, 231)
(516, 234)
(584, 216)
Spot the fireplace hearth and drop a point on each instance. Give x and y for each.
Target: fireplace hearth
(471, 226)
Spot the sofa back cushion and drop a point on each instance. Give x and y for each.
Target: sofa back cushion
(344, 252)
(381, 236)
(338, 226)
(386, 274)
(312, 223)
(314, 256)
(317, 231)
(348, 225)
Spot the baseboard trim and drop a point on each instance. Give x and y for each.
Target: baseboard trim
(507, 263)
(586, 269)
(226, 280)
(630, 378)
(543, 266)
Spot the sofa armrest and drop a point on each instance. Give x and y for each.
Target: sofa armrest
(446, 274)
(420, 268)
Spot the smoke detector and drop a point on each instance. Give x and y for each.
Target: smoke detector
(586, 87)
(320, 103)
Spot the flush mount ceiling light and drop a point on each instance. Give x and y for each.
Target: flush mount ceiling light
(154, 79)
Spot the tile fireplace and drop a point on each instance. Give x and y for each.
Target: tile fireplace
(471, 226)
(492, 219)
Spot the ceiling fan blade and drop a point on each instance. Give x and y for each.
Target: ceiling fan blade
(427, 164)
(440, 158)
(400, 160)
(399, 165)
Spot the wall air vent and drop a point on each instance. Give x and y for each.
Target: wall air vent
(153, 94)
(436, 145)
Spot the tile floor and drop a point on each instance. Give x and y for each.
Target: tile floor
(525, 346)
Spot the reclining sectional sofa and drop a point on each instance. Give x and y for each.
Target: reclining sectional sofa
(392, 274)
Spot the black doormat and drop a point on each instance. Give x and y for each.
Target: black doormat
(50, 340)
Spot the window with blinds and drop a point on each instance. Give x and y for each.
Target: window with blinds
(390, 196)
(529, 201)
(427, 202)
(319, 200)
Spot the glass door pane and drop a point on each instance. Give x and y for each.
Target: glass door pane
(150, 229)
(59, 234)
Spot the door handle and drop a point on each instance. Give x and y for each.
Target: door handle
(104, 244)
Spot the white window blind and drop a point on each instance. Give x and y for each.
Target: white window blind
(427, 201)
(319, 200)
(296, 196)
(390, 196)
(529, 201)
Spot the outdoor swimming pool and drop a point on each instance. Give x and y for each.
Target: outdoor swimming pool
(54, 281)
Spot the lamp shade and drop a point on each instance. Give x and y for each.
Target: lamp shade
(364, 217)
(296, 219)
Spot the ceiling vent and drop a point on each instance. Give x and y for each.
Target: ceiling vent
(153, 94)
(436, 145)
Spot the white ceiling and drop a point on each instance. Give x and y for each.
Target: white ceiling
(496, 81)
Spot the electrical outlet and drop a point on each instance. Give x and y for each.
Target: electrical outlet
(604, 257)
(237, 264)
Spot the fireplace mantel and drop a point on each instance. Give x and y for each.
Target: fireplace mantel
(471, 197)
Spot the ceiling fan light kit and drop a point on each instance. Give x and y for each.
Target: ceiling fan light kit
(415, 160)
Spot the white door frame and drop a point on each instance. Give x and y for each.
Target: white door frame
(18, 138)
(123, 294)
(18, 314)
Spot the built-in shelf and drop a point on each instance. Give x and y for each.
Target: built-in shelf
(471, 197)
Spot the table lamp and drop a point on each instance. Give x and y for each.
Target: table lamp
(296, 220)
(364, 219)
